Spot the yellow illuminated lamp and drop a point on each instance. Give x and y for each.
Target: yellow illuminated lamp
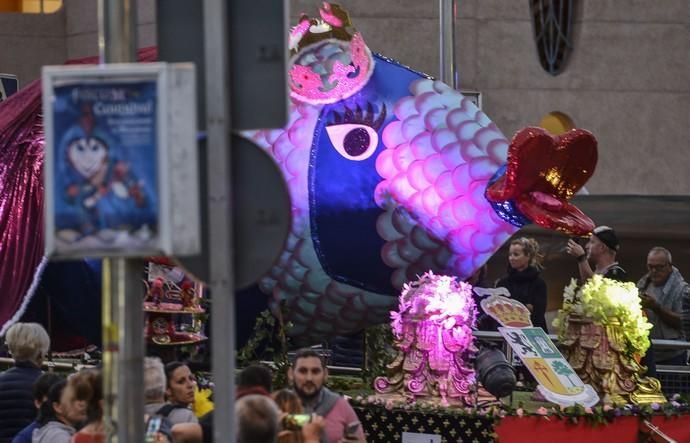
(557, 122)
(30, 6)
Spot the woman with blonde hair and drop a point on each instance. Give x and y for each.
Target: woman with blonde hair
(28, 343)
(288, 401)
(523, 280)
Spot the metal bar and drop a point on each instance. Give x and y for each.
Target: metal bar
(109, 330)
(51, 364)
(117, 36)
(448, 71)
(658, 343)
(220, 252)
(655, 434)
(331, 369)
(130, 403)
(117, 43)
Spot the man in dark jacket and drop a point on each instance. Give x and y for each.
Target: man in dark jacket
(41, 388)
(28, 344)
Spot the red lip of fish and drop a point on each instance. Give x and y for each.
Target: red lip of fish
(544, 172)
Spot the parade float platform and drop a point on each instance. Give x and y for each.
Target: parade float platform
(383, 425)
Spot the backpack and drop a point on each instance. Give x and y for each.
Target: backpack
(167, 408)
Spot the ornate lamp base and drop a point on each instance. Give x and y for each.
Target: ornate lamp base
(597, 353)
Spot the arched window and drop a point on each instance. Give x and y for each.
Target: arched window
(557, 122)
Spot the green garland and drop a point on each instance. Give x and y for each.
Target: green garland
(606, 302)
(595, 416)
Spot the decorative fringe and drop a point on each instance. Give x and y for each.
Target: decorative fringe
(27, 298)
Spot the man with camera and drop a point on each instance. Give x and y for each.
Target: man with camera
(600, 250)
(308, 374)
(662, 291)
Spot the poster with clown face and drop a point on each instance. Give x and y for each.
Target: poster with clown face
(104, 177)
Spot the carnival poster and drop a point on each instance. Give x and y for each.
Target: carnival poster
(104, 178)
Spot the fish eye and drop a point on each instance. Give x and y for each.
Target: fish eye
(353, 141)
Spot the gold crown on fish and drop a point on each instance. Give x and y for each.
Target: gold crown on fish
(507, 312)
(330, 61)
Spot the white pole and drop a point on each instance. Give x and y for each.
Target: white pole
(448, 70)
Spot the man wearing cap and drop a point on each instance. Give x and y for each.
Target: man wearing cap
(601, 250)
(661, 292)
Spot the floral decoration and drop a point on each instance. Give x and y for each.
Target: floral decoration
(597, 415)
(605, 301)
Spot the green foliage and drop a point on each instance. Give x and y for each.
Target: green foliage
(595, 416)
(269, 342)
(346, 384)
(379, 351)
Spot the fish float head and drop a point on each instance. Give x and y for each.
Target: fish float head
(393, 174)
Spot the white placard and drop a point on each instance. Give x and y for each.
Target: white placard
(415, 437)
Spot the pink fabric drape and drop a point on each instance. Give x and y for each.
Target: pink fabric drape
(21, 195)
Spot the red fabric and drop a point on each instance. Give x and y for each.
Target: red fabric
(21, 192)
(551, 430)
(21, 196)
(678, 428)
(81, 437)
(252, 390)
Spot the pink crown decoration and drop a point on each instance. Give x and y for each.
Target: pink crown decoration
(331, 62)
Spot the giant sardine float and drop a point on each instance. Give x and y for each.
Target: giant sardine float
(391, 174)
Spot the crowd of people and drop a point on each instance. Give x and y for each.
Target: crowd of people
(307, 412)
(664, 293)
(38, 407)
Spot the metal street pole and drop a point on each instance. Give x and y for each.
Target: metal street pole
(448, 71)
(117, 43)
(219, 161)
(117, 31)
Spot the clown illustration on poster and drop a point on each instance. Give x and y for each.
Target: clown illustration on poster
(104, 178)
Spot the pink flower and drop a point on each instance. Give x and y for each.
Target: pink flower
(542, 411)
(520, 412)
(607, 408)
(389, 404)
(588, 410)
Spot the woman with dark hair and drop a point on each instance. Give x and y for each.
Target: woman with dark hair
(523, 280)
(40, 393)
(179, 393)
(59, 415)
